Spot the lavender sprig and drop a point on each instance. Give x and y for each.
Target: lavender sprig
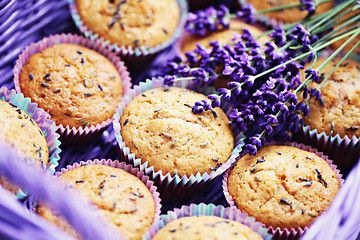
(207, 20)
(263, 82)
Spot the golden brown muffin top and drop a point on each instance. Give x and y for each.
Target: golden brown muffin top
(22, 132)
(205, 227)
(131, 23)
(283, 186)
(121, 197)
(224, 36)
(339, 110)
(290, 15)
(78, 86)
(159, 127)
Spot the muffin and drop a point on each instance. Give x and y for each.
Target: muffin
(283, 187)
(22, 134)
(77, 86)
(224, 37)
(130, 23)
(338, 111)
(121, 197)
(20, 131)
(290, 15)
(205, 227)
(159, 128)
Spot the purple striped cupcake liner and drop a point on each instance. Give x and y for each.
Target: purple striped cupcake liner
(283, 234)
(209, 210)
(46, 125)
(80, 135)
(128, 168)
(132, 57)
(172, 188)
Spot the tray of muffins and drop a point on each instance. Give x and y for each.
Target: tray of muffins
(175, 119)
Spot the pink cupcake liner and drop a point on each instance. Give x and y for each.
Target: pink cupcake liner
(344, 151)
(288, 234)
(172, 188)
(128, 168)
(209, 210)
(40, 117)
(131, 56)
(74, 136)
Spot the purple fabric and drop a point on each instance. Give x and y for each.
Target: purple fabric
(341, 220)
(74, 208)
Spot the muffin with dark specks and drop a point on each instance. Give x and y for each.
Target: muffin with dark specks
(160, 128)
(76, 85)
(22, 133)
(121, 197)
(206, 227)
(338, 110)
(130, 23)
(283, 186)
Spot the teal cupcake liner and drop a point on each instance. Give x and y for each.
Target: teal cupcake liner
(209, 210)
(172, 187)
(131, 56)
(41, 118)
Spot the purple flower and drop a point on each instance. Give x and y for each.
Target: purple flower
(312, 74)
(315, 93)
(169, 80)
(251, 149)
(279, 36)
(247, 13)
(215, 100)
(308, 5)
(201, 106)
(207, 20)
(300, 34)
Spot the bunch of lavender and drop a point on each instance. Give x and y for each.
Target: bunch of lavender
(263, 80)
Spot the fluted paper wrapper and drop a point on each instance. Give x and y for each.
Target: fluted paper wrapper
(344, 151)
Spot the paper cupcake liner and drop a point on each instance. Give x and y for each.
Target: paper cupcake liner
(345, 151)
(172, 187)
(75, 136)
(282, 234)
(128, 168)
(209, 210)
(132, 57)
(46, 125)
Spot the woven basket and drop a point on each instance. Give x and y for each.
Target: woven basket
(25, 21)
